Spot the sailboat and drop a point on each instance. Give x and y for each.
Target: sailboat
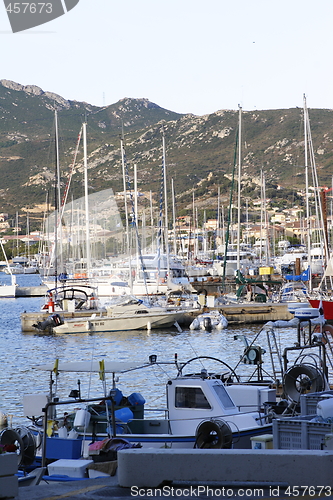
(322, 298)
(8, 290)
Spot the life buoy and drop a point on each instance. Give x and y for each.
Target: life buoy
(328, 329)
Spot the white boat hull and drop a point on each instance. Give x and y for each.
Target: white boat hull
(8, 291)
(109, 324)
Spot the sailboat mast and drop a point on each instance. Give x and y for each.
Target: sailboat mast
(136, 219)
(126, 212)
(306, 161)
(165, 207)
(239, 185)
(174, 218)
(86, 197)
(57, 218)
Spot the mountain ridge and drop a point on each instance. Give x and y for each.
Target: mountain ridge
(200, 150)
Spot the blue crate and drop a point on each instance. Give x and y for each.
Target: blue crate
(57, 448)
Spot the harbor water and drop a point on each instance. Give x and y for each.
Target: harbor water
(22, 352)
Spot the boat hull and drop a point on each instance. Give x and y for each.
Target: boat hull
(327, 307)
(107, 324)
(7, 291)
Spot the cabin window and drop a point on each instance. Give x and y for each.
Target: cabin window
(223, 396)
(191, 397)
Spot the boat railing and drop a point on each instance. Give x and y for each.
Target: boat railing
(54, 403)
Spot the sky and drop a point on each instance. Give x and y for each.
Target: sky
(187, 56)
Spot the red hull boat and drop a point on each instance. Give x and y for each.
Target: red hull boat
(327, 306)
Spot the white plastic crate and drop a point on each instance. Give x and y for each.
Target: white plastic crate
(299, 433)
(71, 468)
(309, 401)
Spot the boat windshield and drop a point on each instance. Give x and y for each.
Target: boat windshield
(223, 396)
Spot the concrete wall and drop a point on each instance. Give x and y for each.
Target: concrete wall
(149, 468)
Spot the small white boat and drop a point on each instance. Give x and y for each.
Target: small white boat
(209, 321)
(8, 290)
(19, 269)
(128, 313)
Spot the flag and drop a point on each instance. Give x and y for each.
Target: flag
(101, 370)
(55, 368)
(305, 275)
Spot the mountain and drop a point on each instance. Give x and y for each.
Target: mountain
(200, 150)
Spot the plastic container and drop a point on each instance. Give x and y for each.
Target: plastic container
(117, 397)
(124, 414)
(82, 418)
(71, 468)
(262, 442)
(299, 433)
(136, 399)
(325, 408)
(63, 448)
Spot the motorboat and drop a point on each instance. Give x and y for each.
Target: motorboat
(125, 313)
(209, 320)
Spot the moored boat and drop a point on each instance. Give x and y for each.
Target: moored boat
(128, 313)
(201, 412)
(209, 320)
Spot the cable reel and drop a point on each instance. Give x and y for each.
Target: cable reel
(303, 379)
(213, 434)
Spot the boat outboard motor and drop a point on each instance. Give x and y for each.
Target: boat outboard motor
(51, 321)
(207, 323)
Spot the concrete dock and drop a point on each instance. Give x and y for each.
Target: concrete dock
(31, 291)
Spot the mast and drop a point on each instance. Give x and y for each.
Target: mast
(136, 218)
(86, 197)
(165, 207)
(126, 212)
(308, 235)
(239, 185)
(174, 218)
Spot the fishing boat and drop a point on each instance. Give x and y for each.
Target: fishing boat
(126, 313)
(201, 412)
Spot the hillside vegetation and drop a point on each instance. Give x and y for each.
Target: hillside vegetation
(200, 150)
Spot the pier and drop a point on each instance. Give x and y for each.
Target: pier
(31, 291)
